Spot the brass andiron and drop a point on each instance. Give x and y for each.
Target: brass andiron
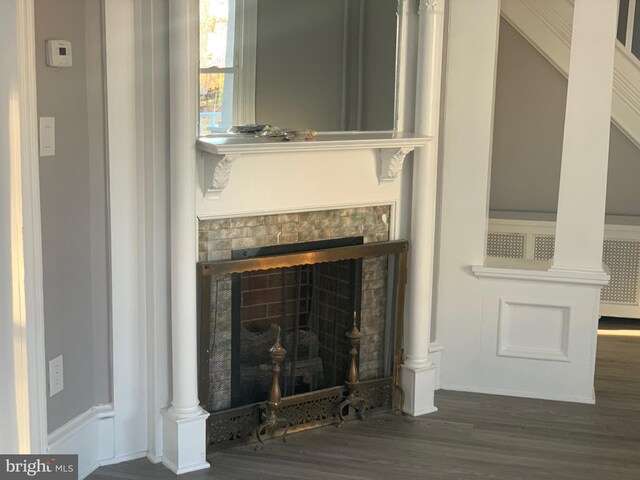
(272, 421)
(354, 335)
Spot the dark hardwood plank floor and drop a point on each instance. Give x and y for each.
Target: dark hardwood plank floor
(472, 436)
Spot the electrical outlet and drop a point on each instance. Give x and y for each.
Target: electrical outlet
(56, 376)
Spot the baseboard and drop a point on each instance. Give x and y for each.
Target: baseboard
(89, 435)
(123, 458)
(153, 458)
(424, 411)
(514, 393)
(180, 471)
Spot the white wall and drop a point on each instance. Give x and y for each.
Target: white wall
(529, 123)
(73, 203)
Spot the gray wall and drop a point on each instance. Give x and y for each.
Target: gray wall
(623, 183)
(302, 64)
(73, 203)
(299, 63)
(378, 66)
(528, 129)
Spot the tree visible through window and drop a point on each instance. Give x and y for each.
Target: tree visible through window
(218, 65)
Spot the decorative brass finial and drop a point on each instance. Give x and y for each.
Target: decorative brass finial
(353, 399)
(272, 420)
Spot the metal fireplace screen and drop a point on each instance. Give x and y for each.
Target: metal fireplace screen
(311, 296)
(313, 305)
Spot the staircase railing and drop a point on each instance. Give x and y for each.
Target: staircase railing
(629, 26)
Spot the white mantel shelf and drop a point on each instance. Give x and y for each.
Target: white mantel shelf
(219, 152)
(248, 144)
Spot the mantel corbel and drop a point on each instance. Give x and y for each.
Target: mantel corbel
(431, 6)
(216, 170)
(391, 162)
(219, 152)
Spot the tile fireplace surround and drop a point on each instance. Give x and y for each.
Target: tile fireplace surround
(217, 238)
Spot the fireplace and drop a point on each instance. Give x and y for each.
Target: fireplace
(311, 290)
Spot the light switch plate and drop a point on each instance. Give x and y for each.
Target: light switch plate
(47, 136)
(56, 376)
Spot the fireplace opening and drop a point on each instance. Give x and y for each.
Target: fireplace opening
(310, 295)
(313, 305)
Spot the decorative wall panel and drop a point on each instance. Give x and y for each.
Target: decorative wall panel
(533, 330)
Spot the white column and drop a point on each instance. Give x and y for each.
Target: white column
(585, 152)
(184, 421)
(418, 373)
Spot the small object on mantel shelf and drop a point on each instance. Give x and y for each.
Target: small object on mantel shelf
(269, 132)
(248, 128)
(287, 134)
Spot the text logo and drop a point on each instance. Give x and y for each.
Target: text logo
(51, 467)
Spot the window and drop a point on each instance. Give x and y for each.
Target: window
(227, 64)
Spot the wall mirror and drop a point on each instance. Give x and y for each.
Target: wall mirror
(325, 65)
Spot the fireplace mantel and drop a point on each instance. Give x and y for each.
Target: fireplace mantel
(219, 152)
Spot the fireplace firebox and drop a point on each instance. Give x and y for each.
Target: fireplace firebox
(312, 304)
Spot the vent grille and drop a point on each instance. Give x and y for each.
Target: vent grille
(622, 257)
(543, 247)
(506, 245)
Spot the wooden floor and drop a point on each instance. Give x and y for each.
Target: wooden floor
(472, 436)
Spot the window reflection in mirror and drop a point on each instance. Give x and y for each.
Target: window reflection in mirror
(324, 65)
